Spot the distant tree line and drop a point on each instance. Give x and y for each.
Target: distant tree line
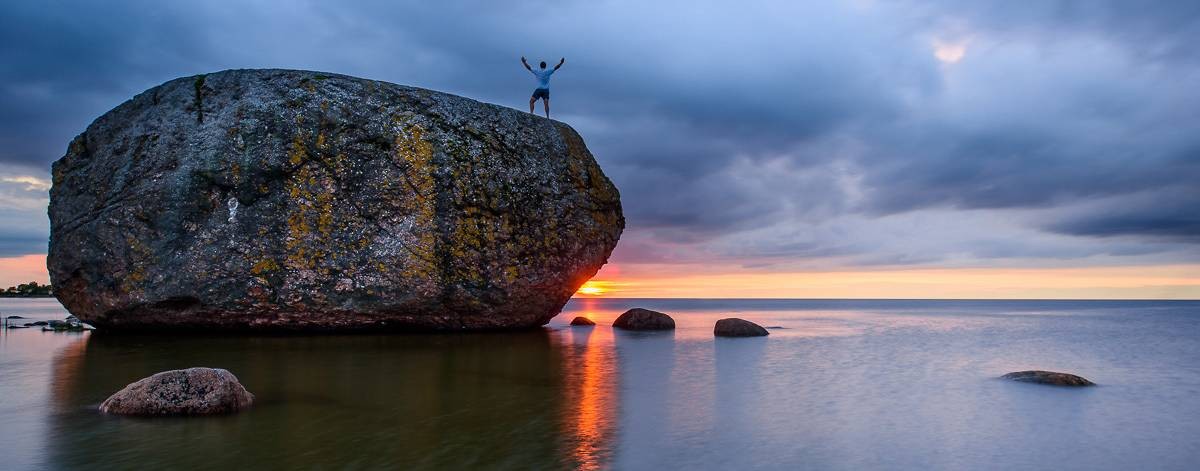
(27, 290)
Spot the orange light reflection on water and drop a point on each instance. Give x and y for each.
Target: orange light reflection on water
(591, 398)
(68, 366)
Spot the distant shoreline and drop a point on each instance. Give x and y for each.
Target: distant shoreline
(4, 295)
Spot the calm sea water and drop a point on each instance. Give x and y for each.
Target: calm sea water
(842, 385)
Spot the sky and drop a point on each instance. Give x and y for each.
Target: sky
(857, 148)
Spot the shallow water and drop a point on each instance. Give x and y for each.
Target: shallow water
(842, 385)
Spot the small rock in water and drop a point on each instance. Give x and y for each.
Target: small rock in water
(14, 317)
(582, 321)
(1048, 377)
(64, 326)
(194, 391)
(15, 326)
(39, 323)
(734, 327)
(644, 319)
(71, 324)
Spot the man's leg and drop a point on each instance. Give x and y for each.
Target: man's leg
(532, 100)
(546, 101)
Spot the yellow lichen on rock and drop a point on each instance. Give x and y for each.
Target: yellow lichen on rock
(297, 152)
(263, 266)
(416, 155)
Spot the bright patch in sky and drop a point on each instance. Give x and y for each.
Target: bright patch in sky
(949, 52)
(594, 288)
(31, 183)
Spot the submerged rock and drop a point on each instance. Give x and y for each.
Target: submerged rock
(1048, 377)
(194, 391)
(71, 323)
(734, 327)
(582, 321)
(282, 199)
(644, 319)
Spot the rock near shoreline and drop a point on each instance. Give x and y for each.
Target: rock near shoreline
(294, 200)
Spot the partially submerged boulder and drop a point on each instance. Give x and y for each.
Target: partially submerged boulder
(70, 324)
(734, 327)
(295, 200)
(582, 321)
(194, 391)
(1048, 377)
(644, 319)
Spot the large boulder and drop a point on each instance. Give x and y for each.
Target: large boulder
(194, 391)
(1048, 377)
(734, 327)
(282, 199)
(644, 319)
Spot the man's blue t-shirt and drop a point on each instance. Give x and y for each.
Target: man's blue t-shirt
(543, 77)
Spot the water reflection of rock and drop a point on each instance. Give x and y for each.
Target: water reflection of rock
(740, 402)
(68, 361)
(646, 362)
(492, 401)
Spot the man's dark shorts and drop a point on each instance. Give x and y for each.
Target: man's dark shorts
(541, 93)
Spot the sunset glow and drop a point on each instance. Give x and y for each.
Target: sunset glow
(594, 288)
(23, 269)
(1134, 282)
(665, 281)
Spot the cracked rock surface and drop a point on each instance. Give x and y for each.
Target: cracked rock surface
(296, 200)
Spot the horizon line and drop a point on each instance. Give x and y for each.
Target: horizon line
(885, 299)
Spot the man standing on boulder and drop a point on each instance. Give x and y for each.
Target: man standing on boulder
(543, 78)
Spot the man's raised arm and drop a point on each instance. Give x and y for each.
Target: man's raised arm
(526, 64)
(560, 63)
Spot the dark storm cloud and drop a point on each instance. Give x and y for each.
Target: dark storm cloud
(1163, 29)
(754, 130)
(1168, 214)
(1172, 222)
(1098, 103)
(17, 244)
(1073, 119)
(65, 63)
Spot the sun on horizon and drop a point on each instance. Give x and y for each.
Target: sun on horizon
(595, 288)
